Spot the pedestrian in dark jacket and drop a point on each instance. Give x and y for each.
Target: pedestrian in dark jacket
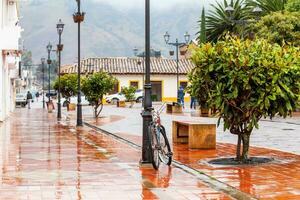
(37, 94)
(181, 95)
(29, 99)
(193, 103)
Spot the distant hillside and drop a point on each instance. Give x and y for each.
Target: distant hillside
(107, 31)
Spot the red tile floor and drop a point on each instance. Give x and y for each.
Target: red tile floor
(277, 180)
(41, 159)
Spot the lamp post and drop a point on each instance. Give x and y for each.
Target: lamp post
(60, 27)
(177, 44)
(49, 48)
(140, 63)
(146, 114)
(230, 11)
(78, 17)
(43, 70)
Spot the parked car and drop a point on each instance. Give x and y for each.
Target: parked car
(21, 99)
(53, 93)
(114, 98)
(73, 100)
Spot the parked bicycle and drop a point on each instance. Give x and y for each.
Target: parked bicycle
(160, 150)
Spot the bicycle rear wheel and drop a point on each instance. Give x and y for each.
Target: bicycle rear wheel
(153, 146)
(165, 154)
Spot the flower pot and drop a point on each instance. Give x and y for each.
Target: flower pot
(50, 106)
(71, 107)
(182, 53)
(171, 53)
(78, 17)
(204, 112)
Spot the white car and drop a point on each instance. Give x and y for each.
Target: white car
(21, 99)
(73, 100)
(114, 98)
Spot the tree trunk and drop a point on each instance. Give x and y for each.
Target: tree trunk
(96, 111)
(238, 148)
(246, 142)
(131, 104)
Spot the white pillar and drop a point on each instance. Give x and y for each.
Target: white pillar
(2, 98)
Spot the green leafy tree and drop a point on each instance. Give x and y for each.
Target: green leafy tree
(279, 27)
(218, 21)
(293, 6)
(268, 6)
(68, 86)
(95, 87)
(245, 81)
(202, 33)
(129, 93)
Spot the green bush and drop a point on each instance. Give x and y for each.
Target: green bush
(245, 81)
(95, 86)
(68, 85)
(279, 27)
(293, 6)
(129, 93)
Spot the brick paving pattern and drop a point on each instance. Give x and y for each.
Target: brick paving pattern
(43, 159)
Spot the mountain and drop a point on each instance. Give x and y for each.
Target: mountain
(108, 30)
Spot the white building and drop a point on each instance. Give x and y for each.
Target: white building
(10, 33)
(130, 71)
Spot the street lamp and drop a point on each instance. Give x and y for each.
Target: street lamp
(177, 44)
(78, 17)
(135, 51)
(60, 28)
(43, 70)
(255, 11)
(147, 112)
(49, 48)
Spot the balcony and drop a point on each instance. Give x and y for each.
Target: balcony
(9, 37)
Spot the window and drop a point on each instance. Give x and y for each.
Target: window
(116, 89)
(134, 84)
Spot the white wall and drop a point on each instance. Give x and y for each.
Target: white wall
(169, 85)
(1, 89)
(10, 33)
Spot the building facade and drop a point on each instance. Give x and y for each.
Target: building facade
(130, 71)
(10, 33)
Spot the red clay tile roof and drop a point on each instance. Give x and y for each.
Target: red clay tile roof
(129, 66)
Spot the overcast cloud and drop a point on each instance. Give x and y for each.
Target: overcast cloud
(158, 4)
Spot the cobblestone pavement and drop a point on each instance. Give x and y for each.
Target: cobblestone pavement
(43, 159)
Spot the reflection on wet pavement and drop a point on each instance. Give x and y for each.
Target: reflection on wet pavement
(276, 180)
(41, 159)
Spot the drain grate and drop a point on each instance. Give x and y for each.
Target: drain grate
(288, 129)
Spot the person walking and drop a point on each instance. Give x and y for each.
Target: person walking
(29, 99)
(193, 103)
(37, 95)
(181, 95)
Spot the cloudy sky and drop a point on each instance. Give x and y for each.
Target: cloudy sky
(158, 4)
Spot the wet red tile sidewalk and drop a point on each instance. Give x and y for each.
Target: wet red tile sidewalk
(277, 180)
(41, 159)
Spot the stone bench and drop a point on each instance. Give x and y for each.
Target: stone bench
(196, 134)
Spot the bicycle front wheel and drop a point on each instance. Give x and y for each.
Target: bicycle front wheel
(154, 146)
(165, 153)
